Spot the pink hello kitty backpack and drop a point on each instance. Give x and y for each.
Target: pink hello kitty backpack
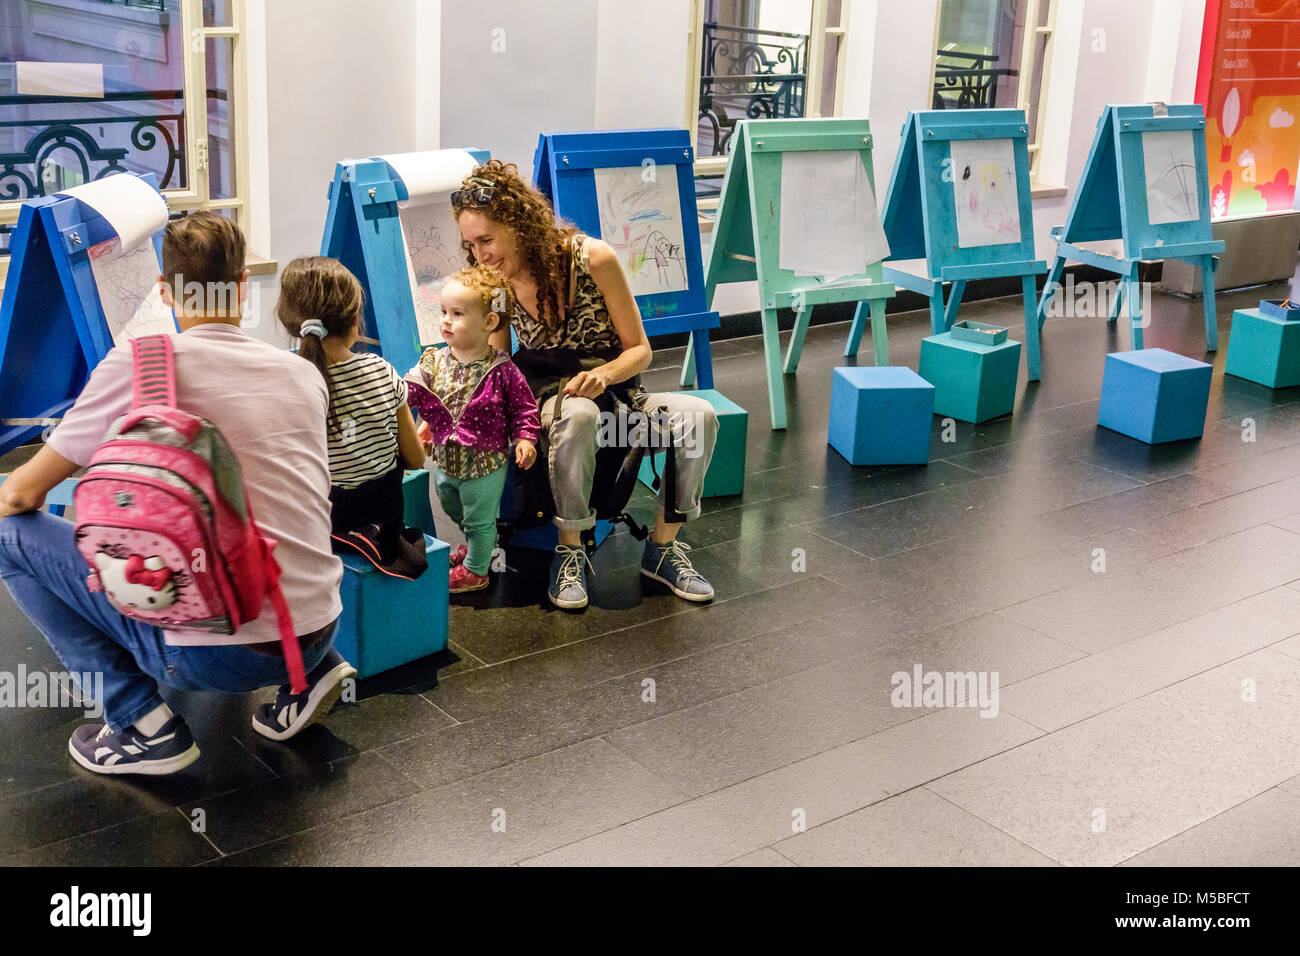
(164, 522)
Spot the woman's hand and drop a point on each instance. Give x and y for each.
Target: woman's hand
(590, 383)
(525, 453)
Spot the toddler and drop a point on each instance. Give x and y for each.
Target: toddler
(476, 403)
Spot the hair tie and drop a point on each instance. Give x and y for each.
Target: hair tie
(313, 327)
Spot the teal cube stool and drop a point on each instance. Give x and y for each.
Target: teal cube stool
(418, 509)
(726, 474)
(1154, 396)
(880, 416)
(1264, 349)
(972, 382)
(387, 621)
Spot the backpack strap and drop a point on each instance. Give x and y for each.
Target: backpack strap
(154, 377)
(288, 637)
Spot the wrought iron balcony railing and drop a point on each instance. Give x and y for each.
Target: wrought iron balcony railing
(748, 74)
(91, 145)
(967, 81)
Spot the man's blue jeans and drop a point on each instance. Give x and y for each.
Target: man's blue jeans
(46, 576)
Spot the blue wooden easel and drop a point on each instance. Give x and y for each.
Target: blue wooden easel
(921, 219)
(1111, 203)
(363, 231)
(52, 326)
(564, 170)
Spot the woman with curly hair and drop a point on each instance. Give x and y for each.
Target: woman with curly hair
(577, 320)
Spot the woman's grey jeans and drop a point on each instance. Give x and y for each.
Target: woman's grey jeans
(572, 440)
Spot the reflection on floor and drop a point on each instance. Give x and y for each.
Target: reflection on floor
(1139, 609)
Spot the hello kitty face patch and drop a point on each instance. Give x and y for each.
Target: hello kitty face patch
(142, 583)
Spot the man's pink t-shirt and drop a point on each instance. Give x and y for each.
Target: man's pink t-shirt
(271, 407)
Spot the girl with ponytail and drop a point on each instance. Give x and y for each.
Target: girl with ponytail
(371, 432)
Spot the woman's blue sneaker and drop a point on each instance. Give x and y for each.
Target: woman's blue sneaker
(568, 588)
(670, 565)
(102, 750)
(291, 713)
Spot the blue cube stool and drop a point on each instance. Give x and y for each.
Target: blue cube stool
(1154, 396)
(880, 416)
(418, 509)
(972, 382)
(1264, 348)
(726, 474)
(387, 621)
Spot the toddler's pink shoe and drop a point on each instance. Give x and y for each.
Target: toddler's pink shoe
(463, 579)
(458, 556)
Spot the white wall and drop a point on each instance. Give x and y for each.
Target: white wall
(641, 62)
(328, 91)
(512, 69)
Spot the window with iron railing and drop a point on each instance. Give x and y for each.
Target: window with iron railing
(758, 59)
(92, 87)
(994, 53)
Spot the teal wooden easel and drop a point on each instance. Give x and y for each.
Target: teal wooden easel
(746, 240)
(1112, 203)
(922, 220)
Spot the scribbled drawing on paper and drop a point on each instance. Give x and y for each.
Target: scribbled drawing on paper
(1169, 158)
(830, 223)
(128, 290)
(642, 222)
(985, 192)
(433, 253)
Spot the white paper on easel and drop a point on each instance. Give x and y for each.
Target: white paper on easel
(126, 267)
(430, 237)
(830, 225)
(985, 192)
(1169, 159)
(642, 221)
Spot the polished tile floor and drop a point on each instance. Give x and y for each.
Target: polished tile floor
(1138, 608)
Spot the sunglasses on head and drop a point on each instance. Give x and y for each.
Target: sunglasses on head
(478, 195)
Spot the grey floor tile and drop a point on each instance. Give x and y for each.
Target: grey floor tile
(1116, 607)
(1261, 689)
(532, 727)
(566, 668)
(1223, 516)
(762, 810)
(243, 818)
(495, 818)
(166, 838)
(1108, 788)
(1115, 676)
(711, 745)
(916, 828)
(763, 857)
(1263, 831)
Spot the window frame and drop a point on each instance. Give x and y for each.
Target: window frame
(197, 194)
(818, 31)
(1024, 76)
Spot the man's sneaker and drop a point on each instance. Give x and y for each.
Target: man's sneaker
(669, 564)
(291, 713)
(568, 588)
(102, 750)
(458, 556)
(463, 579)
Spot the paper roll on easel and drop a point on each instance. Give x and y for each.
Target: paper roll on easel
(430, 176)
(130, 205)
